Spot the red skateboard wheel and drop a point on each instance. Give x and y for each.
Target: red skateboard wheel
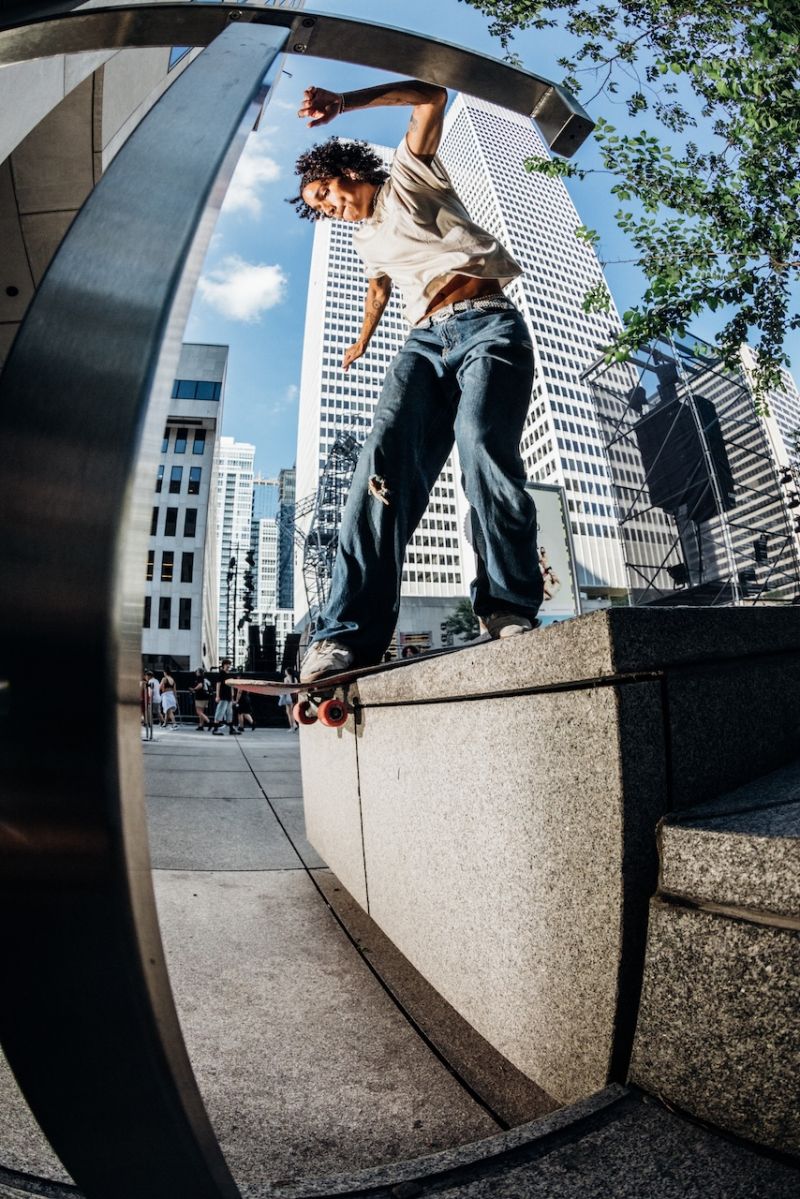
(333, 713)
(304, 713)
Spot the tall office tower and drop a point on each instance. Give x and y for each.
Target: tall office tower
(234, 522)
(333, 402)
(264, 546)
(484, 148)
(781, 417)
(180, 614)
(782, 411)
(287, 479)
(271, 499)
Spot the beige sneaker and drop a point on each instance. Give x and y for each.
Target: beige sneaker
(506, 624)
(324, 658)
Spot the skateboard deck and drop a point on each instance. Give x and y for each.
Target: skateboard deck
(320, 703)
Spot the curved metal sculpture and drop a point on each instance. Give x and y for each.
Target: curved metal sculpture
(89, 1024)
(59, 29)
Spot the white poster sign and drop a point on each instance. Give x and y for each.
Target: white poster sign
(556, 559)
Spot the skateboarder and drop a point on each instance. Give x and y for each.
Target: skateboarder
(464, 374)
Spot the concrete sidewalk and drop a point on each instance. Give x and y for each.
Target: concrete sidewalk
(306, 1066)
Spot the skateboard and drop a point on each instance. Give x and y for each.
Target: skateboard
(317, 700)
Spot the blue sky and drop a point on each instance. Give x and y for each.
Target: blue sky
(252, 292)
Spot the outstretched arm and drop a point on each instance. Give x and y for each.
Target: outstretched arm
(378, 293)
(427, 99)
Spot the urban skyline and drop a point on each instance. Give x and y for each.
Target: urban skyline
(261, 252)
(483, 148)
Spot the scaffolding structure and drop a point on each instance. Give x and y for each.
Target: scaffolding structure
(322, 512)
(701, 506)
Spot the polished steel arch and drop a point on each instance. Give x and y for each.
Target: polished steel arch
(88, 1022)
(57, 28)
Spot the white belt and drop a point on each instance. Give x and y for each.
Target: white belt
(496, 302)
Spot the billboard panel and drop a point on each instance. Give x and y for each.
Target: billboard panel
(556, 559)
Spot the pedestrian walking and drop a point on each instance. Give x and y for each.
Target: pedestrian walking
(244, 712)
(223, 713)
(155, 697)
(288, 701)
(146, 703)
(169, 701)
(201, 692)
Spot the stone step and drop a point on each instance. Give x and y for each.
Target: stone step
(718, 1033)
(743, 849)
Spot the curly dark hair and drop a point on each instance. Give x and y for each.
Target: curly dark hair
(330, 159)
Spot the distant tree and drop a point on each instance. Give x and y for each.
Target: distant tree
(714, 225)
(462, 622)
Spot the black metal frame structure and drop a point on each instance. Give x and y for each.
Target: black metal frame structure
(87, 1017)
(322, 539)
(725, 540)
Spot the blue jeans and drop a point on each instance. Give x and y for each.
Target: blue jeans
(468, 380)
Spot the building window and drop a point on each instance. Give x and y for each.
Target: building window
(154, 523)
(167, 566)
(165, 442)
(151, 557)
(146, 617)
(187, 567)
(160, 477)
(175, 476)
(194, 480)
(164, 611)
(199, 441)
(171, 522)
(180, 441)
(190, 522)
(176, 53)
(185, 614)
(195, 389)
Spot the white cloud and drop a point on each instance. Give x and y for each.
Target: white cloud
(286, 401)
(241, 290)
(254, 170)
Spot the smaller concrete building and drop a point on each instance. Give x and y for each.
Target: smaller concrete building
(180, 610)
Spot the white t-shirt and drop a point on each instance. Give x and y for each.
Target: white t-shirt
(155, 698)
(420, 235)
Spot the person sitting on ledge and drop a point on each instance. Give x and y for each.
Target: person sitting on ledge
(464, 374)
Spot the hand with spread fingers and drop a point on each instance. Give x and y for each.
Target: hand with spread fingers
(320, 105)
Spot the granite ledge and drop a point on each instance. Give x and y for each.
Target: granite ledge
(598, 646)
